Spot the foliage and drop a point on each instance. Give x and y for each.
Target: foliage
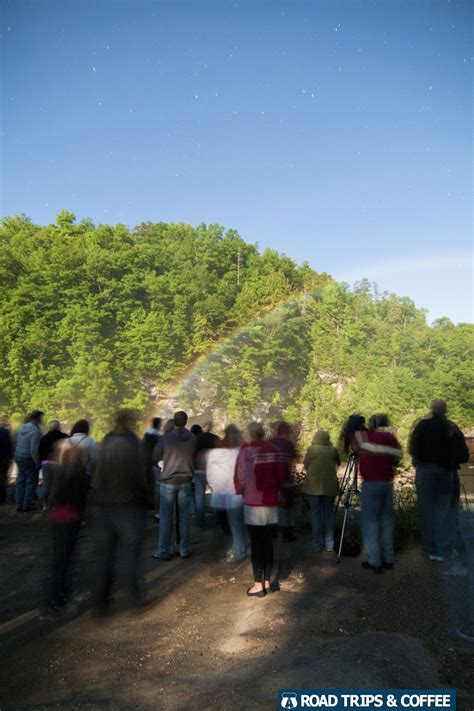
(97, 317)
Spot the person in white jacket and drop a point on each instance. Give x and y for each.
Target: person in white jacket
(220, 468)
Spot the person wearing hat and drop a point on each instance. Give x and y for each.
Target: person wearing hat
(320, 486)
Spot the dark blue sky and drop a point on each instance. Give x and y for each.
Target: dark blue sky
(336, 132)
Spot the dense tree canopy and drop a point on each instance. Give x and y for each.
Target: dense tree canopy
(97, 317)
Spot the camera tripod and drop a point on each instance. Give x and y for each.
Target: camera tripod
(348, 489)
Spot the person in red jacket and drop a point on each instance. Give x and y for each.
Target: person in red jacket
(258, 478)
(379, 452)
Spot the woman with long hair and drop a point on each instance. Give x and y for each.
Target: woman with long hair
(258, 477)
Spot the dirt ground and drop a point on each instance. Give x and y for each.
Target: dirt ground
(203, 644)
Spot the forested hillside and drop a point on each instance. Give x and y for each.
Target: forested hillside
(94, 318)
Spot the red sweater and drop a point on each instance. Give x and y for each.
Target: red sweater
(378, 467)
(258, 474)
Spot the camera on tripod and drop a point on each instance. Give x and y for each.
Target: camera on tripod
(348, 485)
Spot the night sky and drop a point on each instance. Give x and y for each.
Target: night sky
(339, 133)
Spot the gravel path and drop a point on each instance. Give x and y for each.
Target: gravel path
(204, 644)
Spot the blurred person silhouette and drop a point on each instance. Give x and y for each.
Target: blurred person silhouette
(379, 452)
(168, 426)
(354, 423)
(120, 499)
(282, 440)
(321, 487)
(438, 447)
(196, 430)
(176, 450)
(153, 471)
(28, 461)
(258, 478)
(6, 456)
(80, 435)
(205, 441)
(47, 446)
(69, 486)
(220, 469)
(466, 527)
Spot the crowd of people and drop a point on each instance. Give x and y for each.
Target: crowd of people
(247, 479)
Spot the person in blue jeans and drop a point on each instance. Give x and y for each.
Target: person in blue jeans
(28, 462)
(320, 486)
(379, 452)
(176, 450)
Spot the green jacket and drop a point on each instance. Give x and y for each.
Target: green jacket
(321, 462)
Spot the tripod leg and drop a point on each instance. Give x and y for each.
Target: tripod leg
(342, 535)
(347, 504)
(346, 478)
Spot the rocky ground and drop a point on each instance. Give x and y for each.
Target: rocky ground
(204, 644)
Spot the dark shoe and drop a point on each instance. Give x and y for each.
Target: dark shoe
(59, 612)
(376, 568)
(274, 587)
(144, 601)
(156, 556)
(186, 555)
(260, 593)
(388, 566)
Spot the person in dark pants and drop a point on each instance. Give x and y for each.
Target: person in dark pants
(6, 454)
(287, 455)
(205, 441)
(149, 441)
(69, 493)
(120, 498)
(438, 447)
(28, 462)
(258, 478)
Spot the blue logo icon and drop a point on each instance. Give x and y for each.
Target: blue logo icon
(289, 700)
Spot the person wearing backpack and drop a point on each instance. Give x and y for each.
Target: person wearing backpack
(320, 486)
(69, 496)
(80, 434)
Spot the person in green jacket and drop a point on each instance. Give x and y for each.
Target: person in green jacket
(321, 486)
